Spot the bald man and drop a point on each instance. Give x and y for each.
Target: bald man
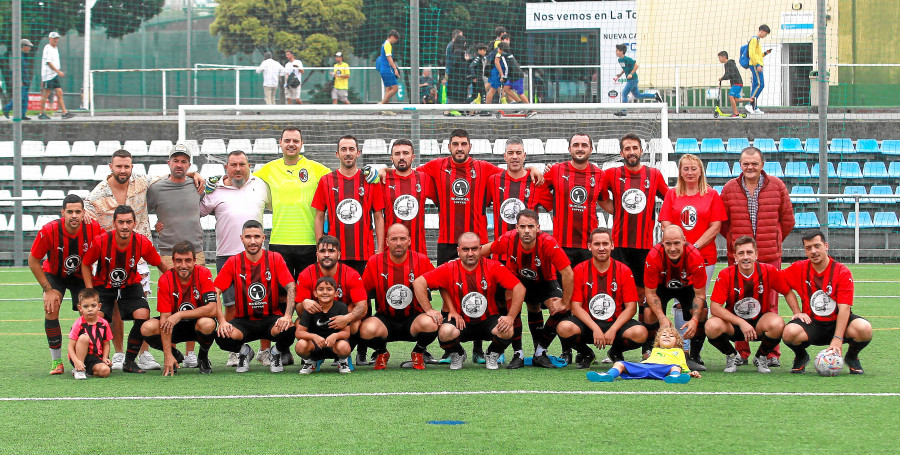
(675, 270)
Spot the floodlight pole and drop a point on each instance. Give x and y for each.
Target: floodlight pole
(86, 87)
(18, 113)
(413, 83)
(189, 39)
(822, 80)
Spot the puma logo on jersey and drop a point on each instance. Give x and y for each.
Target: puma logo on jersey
(384, 275)
(460, 285)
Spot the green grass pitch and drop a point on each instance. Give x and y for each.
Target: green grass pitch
(707, 415)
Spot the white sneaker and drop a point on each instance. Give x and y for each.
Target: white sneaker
(308, 367)
(731, 363)
(606, 360)
(344, 366)
(232, 360)
(275, 365)
(762, 364)
(749, 108)
(79, 374)
(457, 360)
(243, 365)
(190, 360)
(265, 357)
(758, 111)
(147, 362)
(117, 360)
(490, 360)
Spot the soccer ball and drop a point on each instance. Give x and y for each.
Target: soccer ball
(829, 363)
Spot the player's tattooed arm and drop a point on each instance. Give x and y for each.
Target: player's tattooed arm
(656, 307)
(359, 310)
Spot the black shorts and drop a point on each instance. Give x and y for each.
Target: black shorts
(398, 328)
(322, 354)
(297, 257)
(130, 299)
(446, 252)
(635, 259)
(536, 293)
(577, 255)
(71, 282)
(685, 296)
(89, 361)
(185, 330)
(228, 294)
(821, 333)
(477, 330)
(51, 84)
(256, 330)
(359, 266)
(604, 326)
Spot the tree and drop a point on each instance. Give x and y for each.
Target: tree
(313, 29)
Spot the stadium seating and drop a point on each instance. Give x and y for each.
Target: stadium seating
(607, 147)
(27, 223)
(883, 190)
(796, 169)
(890, 147)
(6, 173)
(32, 198)
(101, 172)
(865, 220)
(855, 189)
(57, 149)
(686, 145)
(51, 198)
(210, 169)
(557, 146)
(736, 169)
(814, 170)
(806, 220)
(106, 148)
(31, 172)
(790, 145)
(670, 171)
(797, 193)
(736, 144)
(718, 169)
(894, 170)
(370, 147)
(849, 170)
(867, 146)
(765, 145)
(213, 147)
(264, 146)
(32, 149)
(533, 147)
(719, 188)
(712, 145)
(55, 172)
(874, 170)
(81, 172)
(136, 148)
(4, 198)
(885, 220)
(841, 145)
(84, 148)
(160, 148)
(773, 168)
(836, 220)
(429, 147)
(158, 170)
(479, 147)
(812, 145)
(243, 145)
(6, 149)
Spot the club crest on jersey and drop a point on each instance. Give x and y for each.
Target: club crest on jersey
(418, 187)
(634, 201)
(348, 211)
(537, 261)
(528, 273)
(647, 183)
(578, 195)
(196, 294)
(185, 306)
(474, 305)
(689, 217)
(84, 247)
(131, 262)
(412, 277)
(614, 286)
(117, 277)
(460, 187)
(760, 289)
(484, 284)
(527, 192)
(361, 190)
(821, 304)
(473, 174)
(593, 181)
(303, 175)
(602, 306)
(339, 292)
(399, 296)
(747, 308)
(510, 208)
(268, 275)
(256, 292)
(72, 263)
(406, 207)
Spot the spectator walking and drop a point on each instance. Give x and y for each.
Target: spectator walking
(293, 69)
(50, 74)
(341, 73)
(270, 70)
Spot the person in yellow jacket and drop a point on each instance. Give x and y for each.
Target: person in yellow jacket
(341, 73)
(756, 54)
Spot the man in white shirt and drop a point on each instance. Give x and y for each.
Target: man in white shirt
(295, 67)
(270, 70)
(50, 74)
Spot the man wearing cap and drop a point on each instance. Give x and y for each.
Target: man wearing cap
(270, 70)
(50, 74)
(26, 81)
(341, 74)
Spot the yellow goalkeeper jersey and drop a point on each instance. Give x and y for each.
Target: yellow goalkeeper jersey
(292, 189)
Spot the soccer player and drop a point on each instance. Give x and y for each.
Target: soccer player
(825, 287)
(351, 205)
(513, 190)
(404, 194)
(117, 254)
(534, 258)
(604, 303)
(575, 186)
(64, 242)
(387, 67)
(740, 305)
(389, 277)
(472, 311)
(89, 349)
(317, 339)
(349, 290)
(675, 270)
(187, 307)
(257, 276)
(633, 189)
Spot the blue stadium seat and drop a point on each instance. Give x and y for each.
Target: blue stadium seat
(849, 170)
(867, 146)
(882, 190)
(686, 145)
(736, 169)
(812, 145)
(712, 145)
(790, 145)
(773, 168)
(841, 145)
(717, 169)
(865, 220)
(490, 223)
(894, 169)
(719, 188)
(875, 170)
(855, 189)
(798, 191)
(765, 145)
(736, 144)
(886, 220)
(890, 147)
(796, 169)
(806, 220)
(814, 170)
(836, 220)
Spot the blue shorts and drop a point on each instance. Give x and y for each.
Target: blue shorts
(494, 80)
(736, 91)
(635, 370)
(517, 86)
(388, 78)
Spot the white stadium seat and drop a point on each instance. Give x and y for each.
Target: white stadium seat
(160, 148)
(265, 146)
(481, 147)
(533, 147)
(211, 169)
(607, 147)
(33, 199)
(546, 221)
(445, 147)
(84, 148)
(102, 172)
(27, 223)
(32, 149)
(267, 221)
(81, 193)
(3, 226)
(4, 198)
(258, 166)
(429, 147)
(610, 165)
(55, 172)
(208, 223)
(81, 172)
(139, 169)
(31, 172)
(6, 149)
(158, 170)
(213, 147)
(137, 148)
(57, 149)
(42, 220)
(557, 146)
(52, 198)
(432, 221)
(6, 173)
(499, 146)
(106, 148)
(374, 147)
(243, 145)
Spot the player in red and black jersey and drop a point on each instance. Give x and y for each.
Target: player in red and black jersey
(604, 303)
(633, 189)
(353, 207)
(575, 187)
(825, 287)
(404, 194)
(117, 279)
(64, 243)
(741, 306)
(187, 305)
(257, 276)
(513, 190)
(471, 285)
(398, 317)
(535, 258)
(675, 270)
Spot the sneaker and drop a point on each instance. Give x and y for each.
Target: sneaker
(264, 357)
(275, 365)
(774, 362)
(205, 366)
(658, 98)
(457, 360)
(567, 356)
(429, 359)
(619, 114)
(26, 117)
(742, 361)
(734, 116)
(696, 364)
(179, 357)
(477, 357)
(190, 360)
(232, 360)
(147, 362)
(758, 111)
(308, 367)
(58, 367)
(586, 359)
(287, 358)
(381, 360)
(360, 359)
(593, 376)
(800, 363)
(680, 378)
(6, 114)
(43, 117)
(79, 374)
(117, 360)
(762, 365)
(730, 363)
(490, 360)
(749, 108)
(516, 362)
(542, 361)
(132, 367)
(607, 360)
(68, 115)
(344, 366)
(243, 364)
(418, 360)
(853, 365)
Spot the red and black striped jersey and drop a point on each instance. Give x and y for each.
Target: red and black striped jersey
(575, 194)
(98, 332)
(349, 284)
(689, 270)
(821, 293)
(508, 196)
(472, 293)
(634, 204)
(174, 296)
(118, 268)
(460, 192)
(748, 297)
(404, 203)
(349, 203)
(255, 284)
(391, 283)
(538, 264)
(603, 295)
(64, 252)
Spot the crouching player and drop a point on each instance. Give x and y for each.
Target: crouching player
(316, 339)
(389, 277)
(187, 307)
(741, 306)
(90, 335)
(666, 362)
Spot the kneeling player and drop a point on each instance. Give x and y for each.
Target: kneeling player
(471, 285)
(741, 306)
(316, 339)
(187, 307)
(90, 335)
(389, 276)
(604, 303)
(825, 287)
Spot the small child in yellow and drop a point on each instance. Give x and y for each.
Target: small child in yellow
(666, 362)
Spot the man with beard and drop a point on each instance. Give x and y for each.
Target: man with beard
(404, 194)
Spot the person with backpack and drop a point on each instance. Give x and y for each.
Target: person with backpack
(752, 58)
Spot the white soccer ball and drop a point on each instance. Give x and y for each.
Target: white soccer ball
(829, 363)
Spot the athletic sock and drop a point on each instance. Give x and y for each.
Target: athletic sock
(614, 372)
(273, 351)
(539, 351)
(651, 336)
(54, 338)
(423, 339)
(548, 333)
(378, 345)
(535, 324)
(154, 341)
(245, 349)
(452, 346)
(855, 347)
(135, 339)
(205, 342)
(697, 340)
(722, 343)
(354, 340)
(766, 344)
(799, 349)
(627, 344)
(477, 346)
(517, 333)
(498, 345)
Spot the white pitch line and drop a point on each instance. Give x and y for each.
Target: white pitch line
(451, 393)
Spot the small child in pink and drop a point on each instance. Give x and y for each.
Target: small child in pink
(90, 335)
